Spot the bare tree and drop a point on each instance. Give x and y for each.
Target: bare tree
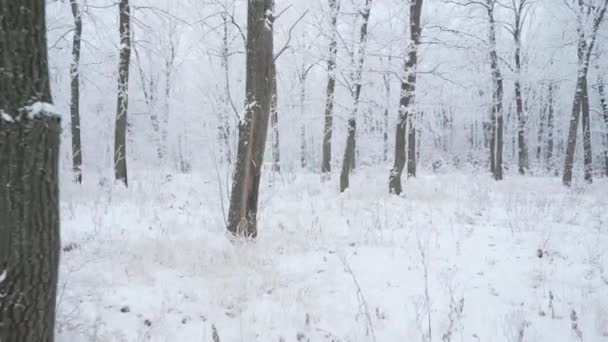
(519, 8)
(348, 162)
(274, 123)
(29, 199)
(120, 135)
(334, 9)
(496, 117)
(75, 92)
(406, 104)
(253, 126)
(586, 14)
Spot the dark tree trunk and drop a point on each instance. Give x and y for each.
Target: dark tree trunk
(496, 117)
(348, 163)
(543, 113)
(29, 155)
(274, 123)
(550, 128)
(120, 134)
(253, 127)
(406, 105)
(585, 48)
(331, 88)
(75, 90)
(604, 103)
(588, 154)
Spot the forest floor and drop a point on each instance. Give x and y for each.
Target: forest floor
(459, 257)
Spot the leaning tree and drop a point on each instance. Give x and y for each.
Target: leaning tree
(253, 126)
(29, 154)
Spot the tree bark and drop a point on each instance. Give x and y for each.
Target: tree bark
(522, 149)
(75, 92)
(550, 128)
(274, 122)
(406, 104)
(496, 117)
(604, 104)
(588, 153)
(29, 156)
(253, 127)
(120, 134)
(585, 48)
(334, 9)
(348, 162)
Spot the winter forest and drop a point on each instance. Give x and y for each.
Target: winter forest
(303, 170)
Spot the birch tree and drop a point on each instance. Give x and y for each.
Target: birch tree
(122, 106)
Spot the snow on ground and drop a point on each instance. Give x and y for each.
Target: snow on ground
(457, 258)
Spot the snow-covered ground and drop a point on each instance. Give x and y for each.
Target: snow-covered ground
(457, 258)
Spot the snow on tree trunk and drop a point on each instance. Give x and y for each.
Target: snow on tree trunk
(348, 162)
(75, 92)
(29, 155)
(331, 88)
(405, 123)
(120, 134)
(253, 126)
(585, 49)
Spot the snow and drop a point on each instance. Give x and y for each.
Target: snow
(4, 116)
(42, 108)
(499, 259)
(2, 276)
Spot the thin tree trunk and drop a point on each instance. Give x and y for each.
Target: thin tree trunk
(588, 153)
(120, 136)
(496, 118)
(406, 103)
(550, 128)
(331, 88)
(604, 103)
(253, 127)
(274, 122)
(303, 161)
(543, 113)
(224, 130)
(585, 48)
(29, 158)
(387, 87)
(75, 93)
(522, 149)
(348, 163)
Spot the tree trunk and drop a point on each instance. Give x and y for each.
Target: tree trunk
(496, 118)
(550, 128)
(120, 135)
(75, 92)
(348, 163)
(29, 158)
(387, 86)
(334, 8)
(604, 104)
(585, 48)
(274, 122)
(588, 154)
(406, 104)
(522, 149)
(303, 161)
(253, 127)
